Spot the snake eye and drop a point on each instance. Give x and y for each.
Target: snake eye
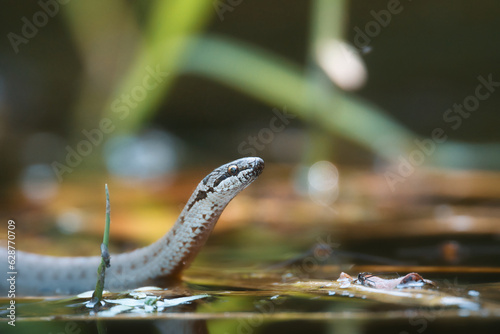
(233, 170)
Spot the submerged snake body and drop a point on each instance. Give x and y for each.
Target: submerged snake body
(155, 264)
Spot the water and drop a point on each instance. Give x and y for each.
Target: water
(275, 270)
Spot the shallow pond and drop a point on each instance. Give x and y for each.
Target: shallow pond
(275, 269)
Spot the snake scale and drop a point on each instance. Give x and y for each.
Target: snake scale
(156, 264)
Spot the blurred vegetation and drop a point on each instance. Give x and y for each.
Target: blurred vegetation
(173, 39)
(193, 45)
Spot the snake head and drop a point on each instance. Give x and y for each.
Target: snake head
(234, 176)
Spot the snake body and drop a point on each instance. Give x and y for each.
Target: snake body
(156, 264)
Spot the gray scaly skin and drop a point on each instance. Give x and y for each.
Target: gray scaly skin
(156, 264)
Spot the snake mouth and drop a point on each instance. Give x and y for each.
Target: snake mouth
(258, 166)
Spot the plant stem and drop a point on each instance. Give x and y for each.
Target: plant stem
(105, 258)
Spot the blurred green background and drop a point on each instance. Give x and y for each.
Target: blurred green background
(143, 89)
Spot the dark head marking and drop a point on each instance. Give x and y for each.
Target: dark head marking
(234, 177)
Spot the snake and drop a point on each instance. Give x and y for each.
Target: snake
(158, 264)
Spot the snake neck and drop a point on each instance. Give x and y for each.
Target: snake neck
(164, 260)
